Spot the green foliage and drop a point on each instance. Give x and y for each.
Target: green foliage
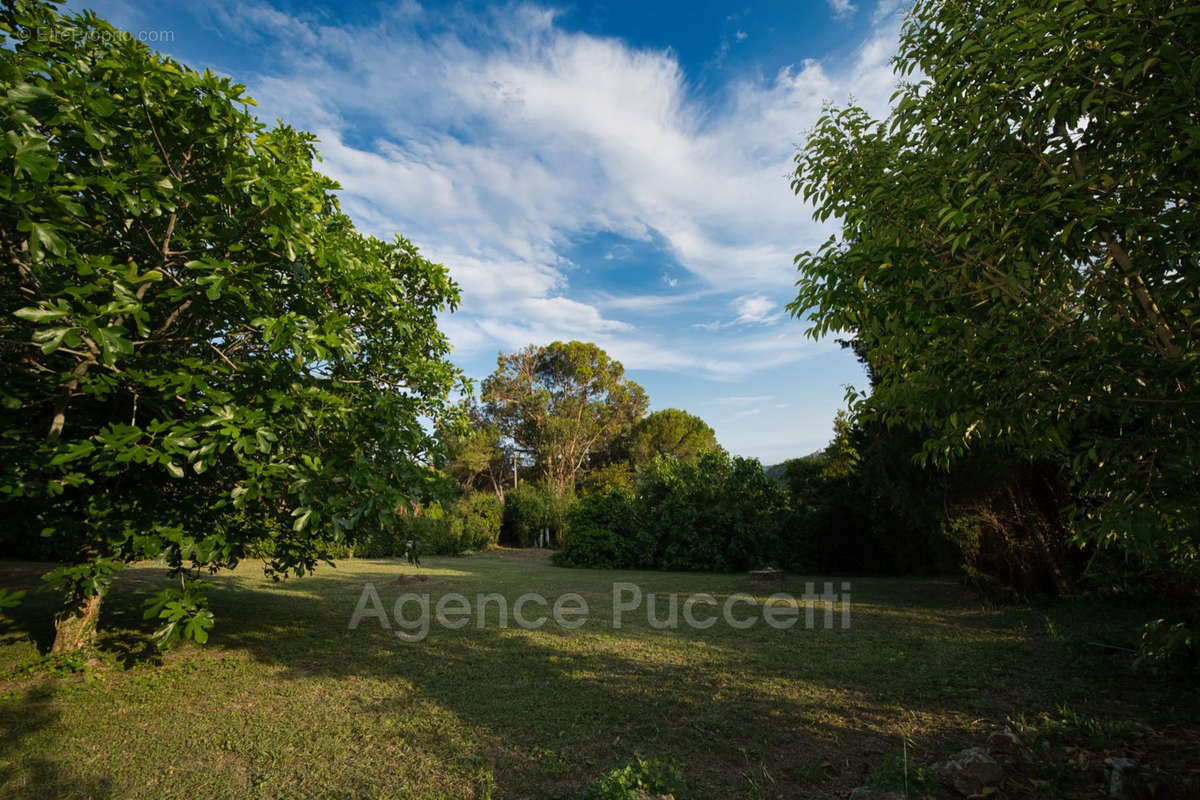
(560, 404)
(183, 612)
(11, 599)
(88, 578)
(603, 478)
(476, 455)
(868, 506)
(1169, 646)
(1069, 727)
(529, 509)
(1017, 253)
(637, 780)
(717, 513)
(599, 532)
(475, 521)
(670, 432)
(192, 327)
(471, 524)
(430, 527)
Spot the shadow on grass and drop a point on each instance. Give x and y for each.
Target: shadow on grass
(560, 707)
(32, 717)
(120, 626)
(809, 714)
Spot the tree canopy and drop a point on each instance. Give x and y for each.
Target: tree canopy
(200, 351)
(477, 456)
(1017, 254)
(670, 432)
(561, 404)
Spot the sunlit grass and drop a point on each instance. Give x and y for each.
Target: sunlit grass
(284, 701)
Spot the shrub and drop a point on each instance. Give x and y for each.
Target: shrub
(718, 513)
(475, 521)
(599, 532)
(435, 535)
(430, 527)
(528, 509)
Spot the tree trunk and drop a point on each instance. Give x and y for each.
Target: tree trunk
(75, 625)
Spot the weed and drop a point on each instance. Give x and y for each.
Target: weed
(636, 780)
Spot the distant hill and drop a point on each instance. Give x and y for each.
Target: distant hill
(776, 471)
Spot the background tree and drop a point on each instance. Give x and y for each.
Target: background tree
(199, 350)
(670, 432)
(477, 456)
(1017, 256)
(560, 404)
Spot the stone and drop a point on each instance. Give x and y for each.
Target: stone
(1124, 782)
(970, 771)
(1003, 742)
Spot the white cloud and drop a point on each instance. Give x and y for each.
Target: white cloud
(502, 140)
(842, 8)
(750, 310)
(755, 309)
(649, 302)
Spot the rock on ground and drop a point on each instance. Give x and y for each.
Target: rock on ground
(969, 771)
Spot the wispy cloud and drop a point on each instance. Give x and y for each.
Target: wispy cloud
(486, 156)
(842, 8)
(755, 309)
(495, 142)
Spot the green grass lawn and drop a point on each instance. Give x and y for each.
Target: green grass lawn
(284, 701)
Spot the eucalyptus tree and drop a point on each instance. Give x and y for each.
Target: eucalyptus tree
(562, 403)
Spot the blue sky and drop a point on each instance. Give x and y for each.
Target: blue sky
(613, 172)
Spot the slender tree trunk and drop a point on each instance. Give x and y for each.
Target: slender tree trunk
(75, 624)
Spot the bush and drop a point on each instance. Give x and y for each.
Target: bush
(528, 509)
(430, 527)
(475, 521)
(609, 476)
(868, 507)
(718, 513)
(599, 532)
